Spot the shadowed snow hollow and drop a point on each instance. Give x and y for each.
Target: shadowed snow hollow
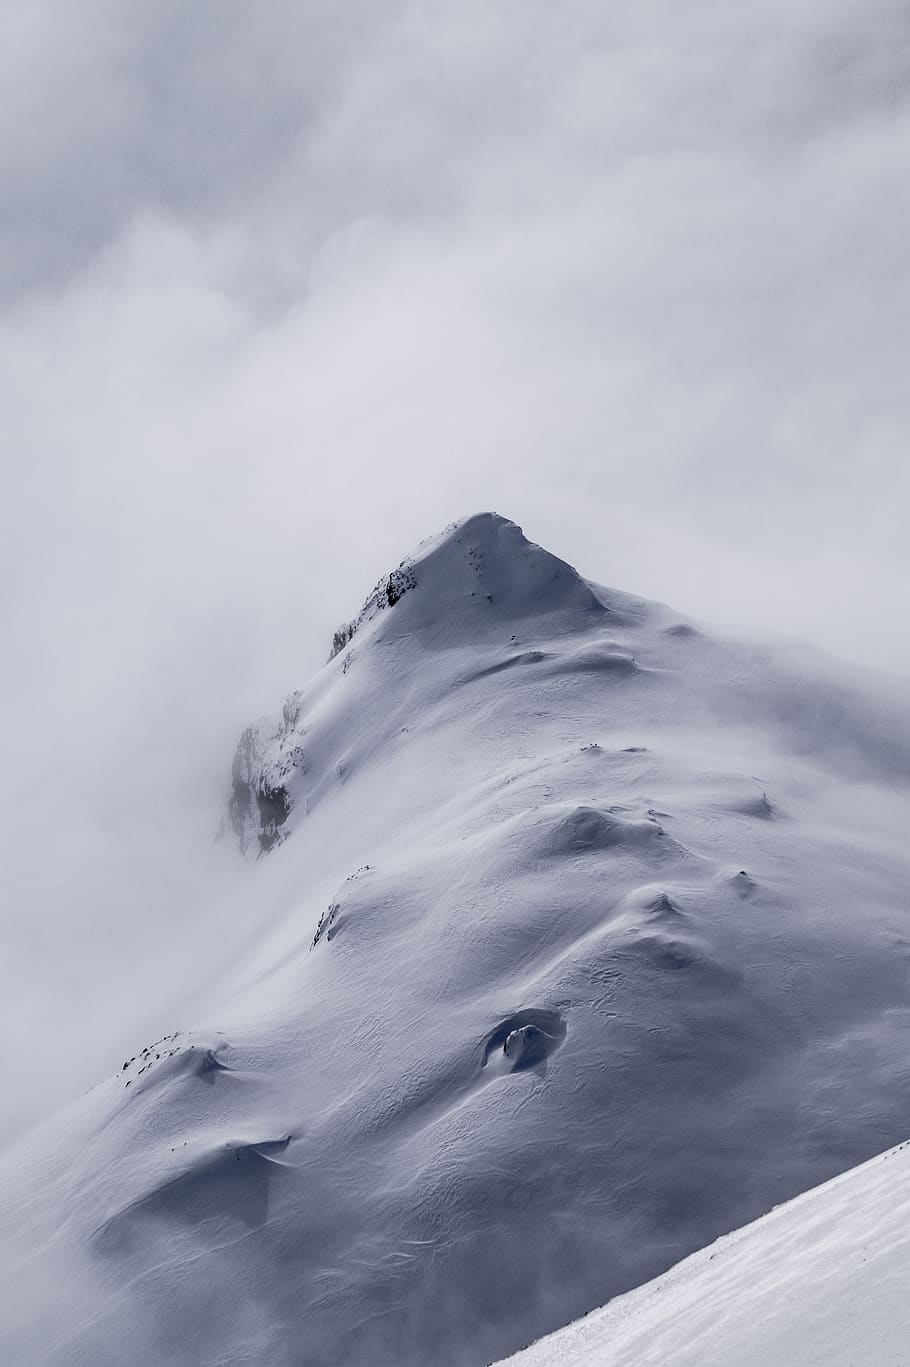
(570, 937)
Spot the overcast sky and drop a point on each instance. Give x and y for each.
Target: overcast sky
(286, 287)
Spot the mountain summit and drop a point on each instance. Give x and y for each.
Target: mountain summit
(574, 937)
(478, 579)
(472, 576)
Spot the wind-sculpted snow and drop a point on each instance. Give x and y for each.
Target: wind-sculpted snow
(584, 939)
(820, 1282)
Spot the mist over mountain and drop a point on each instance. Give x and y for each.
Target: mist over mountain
(819, 1282)
(574, 935)
(281, 291)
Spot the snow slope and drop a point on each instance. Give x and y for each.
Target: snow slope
(569, 937)
(823, 1281)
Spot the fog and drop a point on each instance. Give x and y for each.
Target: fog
(285, 290)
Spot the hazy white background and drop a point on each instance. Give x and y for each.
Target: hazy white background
(285, 288)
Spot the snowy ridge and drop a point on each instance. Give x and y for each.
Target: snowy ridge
(471, 578)
(479, 562)
(579, 938)
(820, 1282)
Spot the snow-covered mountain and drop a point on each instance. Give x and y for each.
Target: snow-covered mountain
(570, 936)
(820, 1282)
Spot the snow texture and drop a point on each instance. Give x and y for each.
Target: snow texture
(820, 1282)
(572, 936)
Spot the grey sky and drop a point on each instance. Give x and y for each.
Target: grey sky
(286, 288)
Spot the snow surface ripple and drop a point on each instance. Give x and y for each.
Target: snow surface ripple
(578, 937)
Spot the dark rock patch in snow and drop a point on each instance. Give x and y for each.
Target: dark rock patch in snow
(341, 638)
(260, 802)
(399, 582)
(742, 882)
(331, 920)
(527, 1046)
(389, 591)
(526, 1038)
(326, 924)
(274, 806)
(153, 1054)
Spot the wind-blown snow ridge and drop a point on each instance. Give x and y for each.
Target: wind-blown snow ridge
(581, 937)
(478, 563)
(820, 1282)
(476, 574)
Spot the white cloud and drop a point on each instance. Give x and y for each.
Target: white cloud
(287, 290)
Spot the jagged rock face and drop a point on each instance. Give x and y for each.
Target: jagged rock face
(257, 809)
(340, 639)
(260, 801)
(581, 938)
(389, 591)
(481, 562)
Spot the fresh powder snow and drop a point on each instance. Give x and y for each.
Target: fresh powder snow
(568, 935)
(820, 1282)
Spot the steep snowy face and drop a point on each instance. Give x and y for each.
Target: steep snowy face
(820, 1282)
(474, 580)
(575, 936)
(454, 579)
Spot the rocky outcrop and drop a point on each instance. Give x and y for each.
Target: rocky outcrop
(390, 589)
(264, 761)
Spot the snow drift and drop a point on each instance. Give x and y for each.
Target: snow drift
(570, 937)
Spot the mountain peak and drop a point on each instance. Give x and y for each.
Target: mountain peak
(474, 573)
(539, 989)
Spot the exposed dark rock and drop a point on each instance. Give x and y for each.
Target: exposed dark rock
(341, 638)
(386, 594)
(259, 804)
